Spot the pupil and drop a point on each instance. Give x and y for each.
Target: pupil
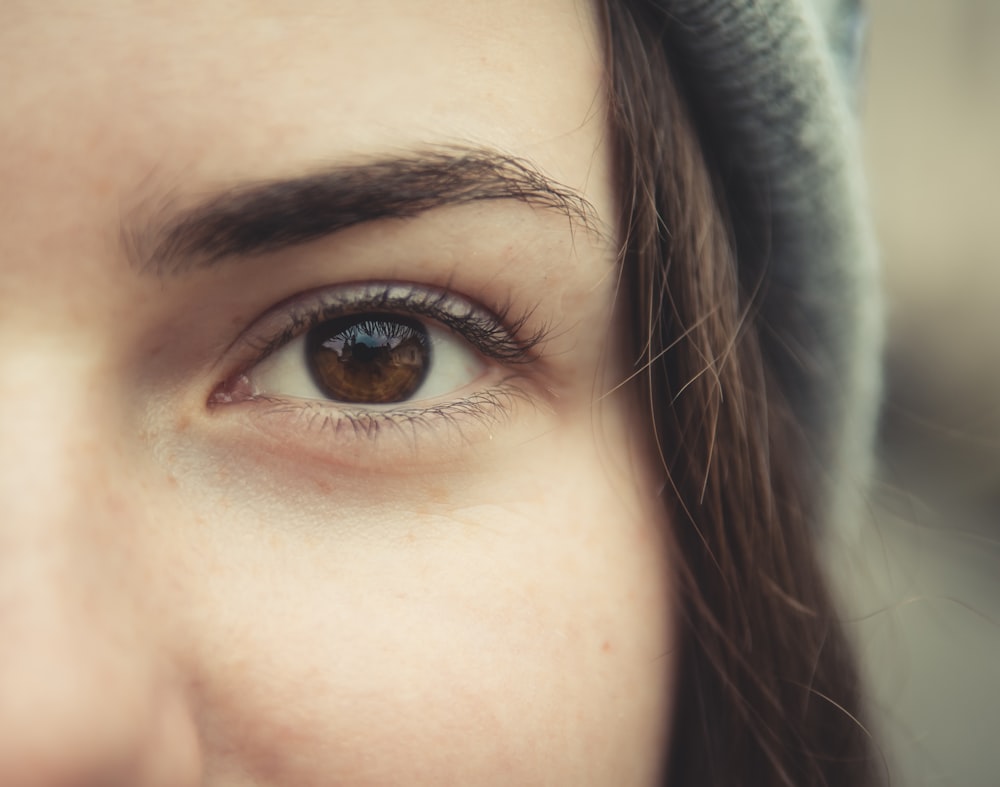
(368, 359)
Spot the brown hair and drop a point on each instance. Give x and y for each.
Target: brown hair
(768, 688)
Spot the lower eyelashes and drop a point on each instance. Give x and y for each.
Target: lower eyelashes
(489, 407)
(395, 437)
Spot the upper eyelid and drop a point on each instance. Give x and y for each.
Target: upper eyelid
(298, 314)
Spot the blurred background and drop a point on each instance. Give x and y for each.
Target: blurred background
(924, 582)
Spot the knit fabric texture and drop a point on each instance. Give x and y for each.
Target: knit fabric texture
(772, 87)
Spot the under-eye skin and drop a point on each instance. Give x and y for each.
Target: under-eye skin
(354, 358)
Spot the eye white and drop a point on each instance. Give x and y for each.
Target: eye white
(452, 365)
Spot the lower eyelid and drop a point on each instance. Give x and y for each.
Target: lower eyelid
(327, 433)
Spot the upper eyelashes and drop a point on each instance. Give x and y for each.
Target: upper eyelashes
(374, 346)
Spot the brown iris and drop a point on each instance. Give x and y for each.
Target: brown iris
(368, 358)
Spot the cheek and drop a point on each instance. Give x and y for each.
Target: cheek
(525, 638)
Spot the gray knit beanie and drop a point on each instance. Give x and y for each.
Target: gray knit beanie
(772, 84)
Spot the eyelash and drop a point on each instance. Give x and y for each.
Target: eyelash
(487, 407)
(495, 336)
(498, 335)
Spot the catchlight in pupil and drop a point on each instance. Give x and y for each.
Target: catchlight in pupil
(368, 359)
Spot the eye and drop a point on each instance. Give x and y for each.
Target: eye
(375, 346)
(368, 359)
(383, 366)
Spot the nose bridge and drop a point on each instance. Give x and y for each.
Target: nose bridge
(82, 694)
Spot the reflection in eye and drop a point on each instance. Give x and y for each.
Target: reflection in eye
(371, 359)
(368, 360)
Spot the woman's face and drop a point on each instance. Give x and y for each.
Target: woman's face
(312, 470)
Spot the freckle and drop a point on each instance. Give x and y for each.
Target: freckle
(183, 423)
(606, 646)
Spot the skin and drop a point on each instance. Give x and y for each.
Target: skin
(221, 594)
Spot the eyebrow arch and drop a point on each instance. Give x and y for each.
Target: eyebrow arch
(262, 217)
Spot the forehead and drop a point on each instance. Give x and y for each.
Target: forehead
(111, 108)
(209, 85)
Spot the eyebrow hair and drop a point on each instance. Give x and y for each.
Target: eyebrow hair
(266, 216)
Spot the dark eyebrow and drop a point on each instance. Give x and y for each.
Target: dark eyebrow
(266, 216)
